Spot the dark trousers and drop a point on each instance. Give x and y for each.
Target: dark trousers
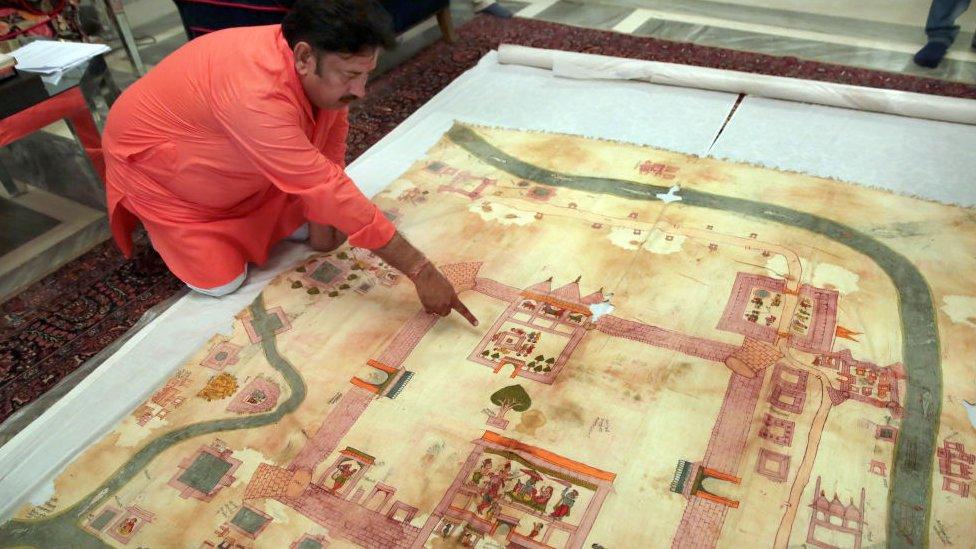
(941, 25)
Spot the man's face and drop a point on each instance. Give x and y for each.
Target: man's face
(333, 80)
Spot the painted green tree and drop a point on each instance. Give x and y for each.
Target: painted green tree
(512, 397)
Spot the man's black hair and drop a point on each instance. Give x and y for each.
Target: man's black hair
(339, 26)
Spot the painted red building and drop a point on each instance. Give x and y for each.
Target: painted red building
(833, 524)
(538, 331)
(525, 495)
(864, 381)
(756, 308)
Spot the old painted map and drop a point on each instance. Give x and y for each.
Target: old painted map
(673, 351)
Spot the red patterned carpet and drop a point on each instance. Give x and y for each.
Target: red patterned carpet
(60, 322)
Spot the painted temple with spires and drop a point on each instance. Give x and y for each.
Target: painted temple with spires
(538, 331)
(833, 524)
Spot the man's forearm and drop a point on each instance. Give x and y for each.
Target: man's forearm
(402, 256)
(435, 291)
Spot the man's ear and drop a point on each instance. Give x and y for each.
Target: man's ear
(304, 59)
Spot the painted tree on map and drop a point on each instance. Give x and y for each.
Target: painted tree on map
(510, 398)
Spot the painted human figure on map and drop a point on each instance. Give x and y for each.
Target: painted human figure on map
(126, 528)
(542, 498)
(481, 473)
(342, 474)
(566, 502)
(413, 195)
(494, 509)
(468, 538)
(527, 487)
(536, 529)
(257, 397)
(493, 488)
(530, 493)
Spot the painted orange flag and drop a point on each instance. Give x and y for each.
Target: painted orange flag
(846, 333)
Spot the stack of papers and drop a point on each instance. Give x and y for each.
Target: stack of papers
(50, 58)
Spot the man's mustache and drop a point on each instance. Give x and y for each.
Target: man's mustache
(346, 99)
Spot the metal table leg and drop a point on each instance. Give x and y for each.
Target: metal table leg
(125, 32)
(11, 188)
(99, 172)
(97, 86)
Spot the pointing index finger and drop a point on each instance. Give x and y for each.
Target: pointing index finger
(463, 311)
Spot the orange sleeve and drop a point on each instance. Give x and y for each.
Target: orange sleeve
(267, 131)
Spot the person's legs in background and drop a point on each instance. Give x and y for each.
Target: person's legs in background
(491, 8)
(941, 30)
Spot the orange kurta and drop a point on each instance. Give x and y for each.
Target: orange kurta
(220, 155)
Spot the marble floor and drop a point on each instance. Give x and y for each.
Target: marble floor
(39, 232)
(876, 34)
(57, 212)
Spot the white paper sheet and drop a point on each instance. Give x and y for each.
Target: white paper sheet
(51, 58)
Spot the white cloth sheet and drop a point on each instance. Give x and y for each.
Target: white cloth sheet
(679, 119)
(924, 158)
(589, 66)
